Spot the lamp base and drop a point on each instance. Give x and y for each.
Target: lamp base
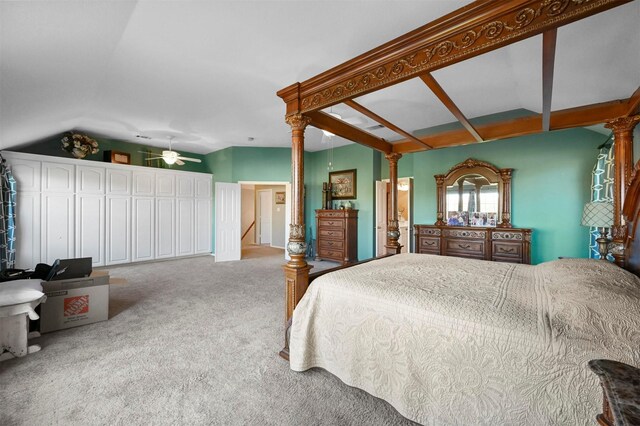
(603, 244)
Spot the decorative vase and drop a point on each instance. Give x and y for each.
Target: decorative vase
(78, 153)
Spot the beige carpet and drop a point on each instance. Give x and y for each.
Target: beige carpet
(189, 342)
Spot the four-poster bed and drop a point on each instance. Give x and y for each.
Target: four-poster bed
(473, 30)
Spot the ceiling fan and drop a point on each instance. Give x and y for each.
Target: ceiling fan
(173, 157)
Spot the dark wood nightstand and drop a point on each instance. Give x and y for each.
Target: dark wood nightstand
(621, 392)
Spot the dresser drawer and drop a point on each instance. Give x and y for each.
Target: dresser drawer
(331, 223)
(429, 245)
(465, 248)
(506, 252)
(332, 244)
(331, 233)
(331, 254)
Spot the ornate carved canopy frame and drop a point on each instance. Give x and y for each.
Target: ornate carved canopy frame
(475, 29)
(475, 167)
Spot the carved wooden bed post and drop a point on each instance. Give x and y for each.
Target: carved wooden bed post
(296, 271)
(393, 230)
(623, 154)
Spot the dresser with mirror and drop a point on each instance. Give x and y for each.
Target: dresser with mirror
(474, 216)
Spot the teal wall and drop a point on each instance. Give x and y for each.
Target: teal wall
(550, 184)
(367, 163)
(52, 147)
(551, 180)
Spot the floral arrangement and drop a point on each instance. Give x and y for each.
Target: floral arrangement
(79, 145)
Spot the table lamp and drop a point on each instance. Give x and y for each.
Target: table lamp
(599, 214)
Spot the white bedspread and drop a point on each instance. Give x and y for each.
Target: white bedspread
(457, 341)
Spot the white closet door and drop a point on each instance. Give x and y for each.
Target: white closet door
(118, 230)
(90, 228)
(165, 184)
(143, 228)
(185, 226)
(90, 180)
(58, 178)
(202, 225)
(203, 186)
(27, 174)
(118, 182)
(28, 229)
(184, 186)
(165, 227)
(58, 225)
(228, 221)
(144, 183)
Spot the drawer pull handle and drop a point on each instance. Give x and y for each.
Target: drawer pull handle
(464, 246)
(329, 233)
(503, 250)
(330, 243)
(430, 243)
(330, 222)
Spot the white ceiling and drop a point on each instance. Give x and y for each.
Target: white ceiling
(206, 73)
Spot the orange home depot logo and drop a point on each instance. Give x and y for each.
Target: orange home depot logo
(76, 305)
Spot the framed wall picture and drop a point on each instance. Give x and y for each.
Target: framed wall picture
(280, 198)
(117, 157)
(343, 184)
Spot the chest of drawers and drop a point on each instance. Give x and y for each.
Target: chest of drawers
(497, 244)
(337, 235)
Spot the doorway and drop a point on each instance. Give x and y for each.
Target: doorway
(405, 214)
(264, 216)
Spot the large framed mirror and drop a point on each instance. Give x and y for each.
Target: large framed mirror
(474, 193)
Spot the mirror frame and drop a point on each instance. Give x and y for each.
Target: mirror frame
(486, 170)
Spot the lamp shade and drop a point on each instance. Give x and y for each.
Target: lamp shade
(598, 214)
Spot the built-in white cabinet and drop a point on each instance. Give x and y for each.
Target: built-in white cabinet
(165, 185)
(27, 174)
(185, 226)
(118, 182)
(165, 227)
(202, 221)
(28, 229)
(90, 180)
(118, 229)
(58, 178)
(113, 213)
(90, 228)
(57, 227)
(144, 183)
(143, 229)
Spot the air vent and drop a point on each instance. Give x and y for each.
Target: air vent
(376, 127)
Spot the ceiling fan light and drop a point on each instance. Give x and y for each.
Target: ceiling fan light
(169, 157)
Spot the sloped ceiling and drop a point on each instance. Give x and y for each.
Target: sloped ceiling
(206, 73)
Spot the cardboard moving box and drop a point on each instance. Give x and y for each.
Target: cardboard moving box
(74, 302)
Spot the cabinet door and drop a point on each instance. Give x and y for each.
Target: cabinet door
(143, 229)
(118, 230)
(58, 225)
(165, 185)
(165, 227)
(144, 183)
(27, 229)
(203, 186)
(203, 220)
(27, 175)
(58, 178)
(184, 226)
(118, 182)
(90, 228)
(90, 180)
(184, 186)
